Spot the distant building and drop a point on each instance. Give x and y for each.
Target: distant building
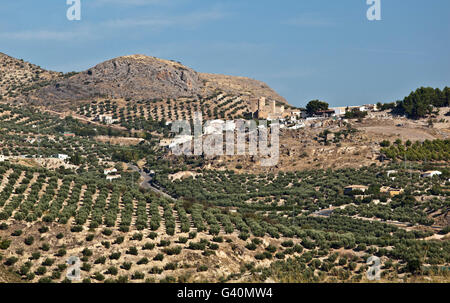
(431, 174)
(297, 126)
(339, 111)
(352, 188)
(391, 191)
(371, 107)
(113, 177)
(390, 172)
(109, 171)
(298, 114)
(270, 111)
(108, 119)
(63, 157)
(361, 108)
(2, 158)
(325, 113)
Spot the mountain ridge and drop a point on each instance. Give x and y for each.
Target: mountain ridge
(139, 77)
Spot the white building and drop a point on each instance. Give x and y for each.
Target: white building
(298, 126)
(431, 174)
(339, 111)
(391, 172)
(113, 177)
(109, 171)
(2, 158)
(63, 157)
(298, 114)
(106, 118)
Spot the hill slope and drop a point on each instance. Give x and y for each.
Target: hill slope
(239, 85)
(19, 77)
(139, 77)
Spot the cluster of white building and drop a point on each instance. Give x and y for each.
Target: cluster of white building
(111, 174)
(107, 119)
(342, 110)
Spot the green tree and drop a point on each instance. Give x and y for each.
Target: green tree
(316, 105)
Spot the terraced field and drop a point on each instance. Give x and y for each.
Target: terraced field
(136, 115)
(220, 226)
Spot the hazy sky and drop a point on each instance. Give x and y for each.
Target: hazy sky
(304, 49)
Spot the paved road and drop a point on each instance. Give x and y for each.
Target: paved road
(147, 182)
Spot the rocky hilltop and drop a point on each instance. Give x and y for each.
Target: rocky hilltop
(131, 77)
(139, 77)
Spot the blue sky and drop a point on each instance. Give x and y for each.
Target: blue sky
(304, 49)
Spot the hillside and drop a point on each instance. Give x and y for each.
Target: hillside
(7, 276)
(239, 85)
(213, 225)
(20, 77)
(139, 77)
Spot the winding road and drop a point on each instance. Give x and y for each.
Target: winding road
(147, 182)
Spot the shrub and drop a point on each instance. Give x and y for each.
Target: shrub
(288, 243)
(115, 256)
(107, 232)
(4, 244)
(99, 277)
(112, 271)
(41, 270)
(100, 260)
(48, 262)
(137, 237)
(61, 252)
(148, 246)
(158, 257)
(142, 261)
(43, 229)
(202, 268)
(155, 270)
(132, 251)
(138, 275)
(170, 266)
(280, 255)
(86, 266)
(45, 247)
(126, 265)
(11, 261)
(29, 240)
(87, 252)
(119, 240)
(271, 248)
(250, 246)
(17, 233)
(172, 250)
